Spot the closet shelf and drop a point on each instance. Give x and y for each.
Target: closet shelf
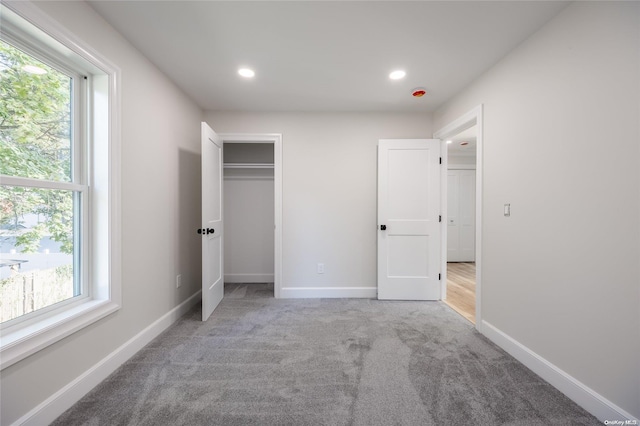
(248, 165)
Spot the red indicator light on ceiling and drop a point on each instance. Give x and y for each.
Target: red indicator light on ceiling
(419, 92)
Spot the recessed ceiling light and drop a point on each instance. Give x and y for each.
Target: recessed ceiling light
(449, 141)
(246, 72)
(397, 75)
(32, 69)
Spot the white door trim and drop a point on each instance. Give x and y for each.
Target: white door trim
(471, 118)
(276, 140)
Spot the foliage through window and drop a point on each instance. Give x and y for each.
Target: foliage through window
(40, 213)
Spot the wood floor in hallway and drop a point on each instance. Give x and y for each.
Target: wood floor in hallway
(461, 288)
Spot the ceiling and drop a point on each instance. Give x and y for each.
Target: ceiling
(324, 55)
(464, 143)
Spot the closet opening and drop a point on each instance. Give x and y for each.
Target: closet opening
(250, 217)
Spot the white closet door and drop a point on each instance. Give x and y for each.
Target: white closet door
(461, 207)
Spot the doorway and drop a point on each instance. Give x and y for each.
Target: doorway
(463, 210)
(253, 213)
(461, 205)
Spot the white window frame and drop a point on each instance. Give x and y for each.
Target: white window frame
(79, 171)
(27, 27)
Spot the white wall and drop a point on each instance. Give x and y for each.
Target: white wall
(329, 190)
(248, 228)
(160, 213)
(560, 275)
(561, 144)
(459, 160)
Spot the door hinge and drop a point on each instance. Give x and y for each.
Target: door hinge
(440, 218)
(440, 160)
(439, 277)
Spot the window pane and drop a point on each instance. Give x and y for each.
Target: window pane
(36, 249)
(35, 117)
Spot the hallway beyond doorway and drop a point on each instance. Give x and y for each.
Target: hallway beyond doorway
(461, 289)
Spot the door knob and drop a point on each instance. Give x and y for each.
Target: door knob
(206, 231)
(383, 227)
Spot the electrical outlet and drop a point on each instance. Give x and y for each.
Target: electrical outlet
(321, 268)
(179, 281)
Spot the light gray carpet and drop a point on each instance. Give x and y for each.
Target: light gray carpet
(262, 361)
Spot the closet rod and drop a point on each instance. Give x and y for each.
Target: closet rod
(248, 165)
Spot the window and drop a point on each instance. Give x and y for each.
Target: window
(59, 219)
(43, 187)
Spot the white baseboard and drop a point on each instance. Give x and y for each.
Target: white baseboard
(62, 400)
(248, 278)
(581, 394)
(328, 292)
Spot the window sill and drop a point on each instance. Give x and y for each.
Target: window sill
(19, 344)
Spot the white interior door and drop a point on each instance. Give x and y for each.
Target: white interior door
(461, 220)
(409, 219)
(453, 221)
(212, 226)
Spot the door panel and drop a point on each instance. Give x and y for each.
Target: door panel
(212, 224)
(406, 177)
(468, 215)
(453, 221)
(461, 230)
(405, 256)
(409, 207)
